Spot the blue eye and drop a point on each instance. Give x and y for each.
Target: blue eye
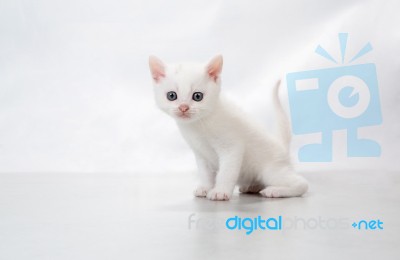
(171, 96)
(197, 96)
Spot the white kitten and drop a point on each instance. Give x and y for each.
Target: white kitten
(229, 147)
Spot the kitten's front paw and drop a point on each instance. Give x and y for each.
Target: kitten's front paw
(201, 192)
(219, 194)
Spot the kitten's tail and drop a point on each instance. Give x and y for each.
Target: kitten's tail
(282, 119)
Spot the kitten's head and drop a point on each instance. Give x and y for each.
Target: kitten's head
(186, 91)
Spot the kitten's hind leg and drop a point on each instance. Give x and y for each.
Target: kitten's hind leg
(284, 183)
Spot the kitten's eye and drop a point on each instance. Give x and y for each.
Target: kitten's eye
(172, 96)
(197, 96)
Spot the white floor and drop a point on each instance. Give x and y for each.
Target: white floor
(130, 216)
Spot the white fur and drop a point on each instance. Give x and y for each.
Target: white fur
(230, 148)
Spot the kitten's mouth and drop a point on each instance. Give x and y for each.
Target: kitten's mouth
(184, 116)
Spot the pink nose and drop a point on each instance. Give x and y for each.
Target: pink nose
(183, 108)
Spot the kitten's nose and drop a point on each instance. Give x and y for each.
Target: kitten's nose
(183, 108)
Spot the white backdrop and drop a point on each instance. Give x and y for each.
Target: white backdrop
(76, 95)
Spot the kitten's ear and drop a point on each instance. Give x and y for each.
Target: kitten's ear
(214, 67)
(157, 68)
